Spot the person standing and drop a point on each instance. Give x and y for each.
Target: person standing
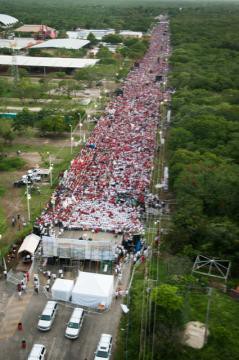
(13, 221)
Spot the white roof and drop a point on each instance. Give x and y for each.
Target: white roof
(94, 284)
(47, 61)
(7, 20)
(131, 33)
(30, 244)
(62, 285)
(17, 43)
(83, 33)
(62, 43)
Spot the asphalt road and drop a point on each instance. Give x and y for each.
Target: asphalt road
(59, 347)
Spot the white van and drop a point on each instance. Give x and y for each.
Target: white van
(104, 347)
(38, 352)
(48, 315)
(75, 323)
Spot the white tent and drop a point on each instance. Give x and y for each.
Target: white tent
(61, 289)
(92, 290)
(30, 244)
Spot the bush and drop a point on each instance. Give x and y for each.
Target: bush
(10, 164)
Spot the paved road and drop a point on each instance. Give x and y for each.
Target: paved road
(28, 310)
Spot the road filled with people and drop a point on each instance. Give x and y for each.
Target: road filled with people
(107, 184)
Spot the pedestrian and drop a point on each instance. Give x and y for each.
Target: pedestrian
(60, 272)
(116, 294)
(13, 221)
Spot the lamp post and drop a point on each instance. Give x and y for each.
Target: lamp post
(80, 125)
(3, 259)
(28, 203)
(71, 137)
(51, 169)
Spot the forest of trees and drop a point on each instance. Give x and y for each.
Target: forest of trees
(204, 139)
(134, 15)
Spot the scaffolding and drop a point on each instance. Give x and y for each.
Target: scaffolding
(75, 249)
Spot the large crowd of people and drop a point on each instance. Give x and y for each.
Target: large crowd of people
(107, 184)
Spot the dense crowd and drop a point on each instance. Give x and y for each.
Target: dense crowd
(108, 182)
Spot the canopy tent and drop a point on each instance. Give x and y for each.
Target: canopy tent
(30, 244)
(92, 289)
(61, 289)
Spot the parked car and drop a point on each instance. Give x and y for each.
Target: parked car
(22, 182)
(75, 323)
(104, 347)
(38, 352)
(48, 315)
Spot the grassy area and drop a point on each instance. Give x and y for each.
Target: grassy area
(61, 156)
(11, 164)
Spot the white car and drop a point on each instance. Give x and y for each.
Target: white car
(75, 323)
(104, 347)
(38, 352)
(48, 315)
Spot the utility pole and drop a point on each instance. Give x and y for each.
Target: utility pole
(210, 290)
(15, 72)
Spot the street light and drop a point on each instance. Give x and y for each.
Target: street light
(80, 125)
(3, 259)
(51, 169)
(71, 136)
(28, 202)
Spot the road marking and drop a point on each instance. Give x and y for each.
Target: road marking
(52, 347)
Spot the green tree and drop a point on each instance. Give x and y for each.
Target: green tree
(113, 39)
(53, 124)
(91, 37)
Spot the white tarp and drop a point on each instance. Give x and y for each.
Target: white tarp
(62, 289)
(30, 244)
(92, 289)
(78, 249)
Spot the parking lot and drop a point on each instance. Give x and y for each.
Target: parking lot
(27, 310)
